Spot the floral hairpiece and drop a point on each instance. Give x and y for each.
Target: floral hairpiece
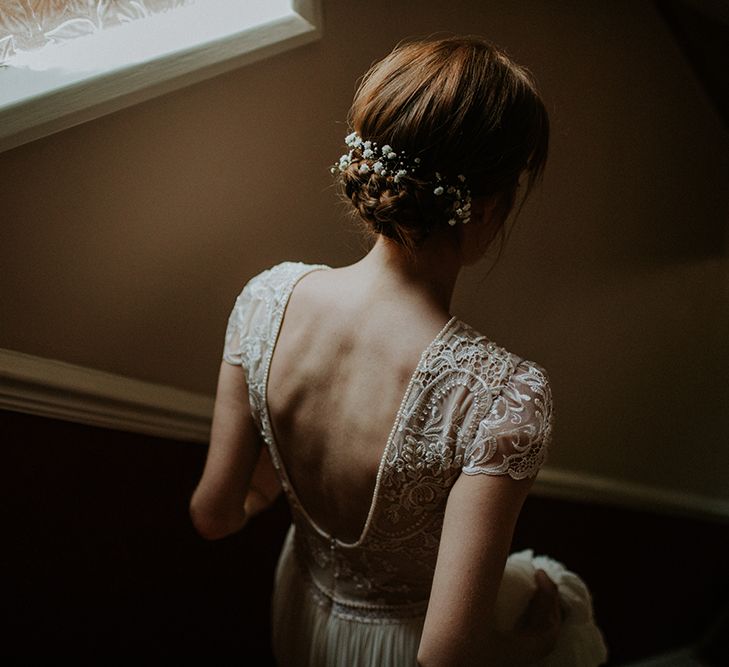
(384, 161)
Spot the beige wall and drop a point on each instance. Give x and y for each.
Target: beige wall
(124, 241)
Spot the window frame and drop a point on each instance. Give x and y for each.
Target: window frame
(37, 104)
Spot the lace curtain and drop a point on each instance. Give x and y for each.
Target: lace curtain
(31, 24)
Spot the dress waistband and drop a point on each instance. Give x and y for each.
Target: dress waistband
(365, 612)
(356, 610)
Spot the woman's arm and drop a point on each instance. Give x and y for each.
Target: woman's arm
(265, 485)
(218, 505)
(477, 531)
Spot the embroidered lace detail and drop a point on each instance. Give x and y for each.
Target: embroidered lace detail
(514, 437)
(325, 594)
(470, 407)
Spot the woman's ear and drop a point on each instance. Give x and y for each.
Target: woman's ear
(482, 209)
(475, 236)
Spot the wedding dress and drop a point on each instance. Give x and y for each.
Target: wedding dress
(470, 408)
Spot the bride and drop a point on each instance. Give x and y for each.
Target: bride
(404, 441)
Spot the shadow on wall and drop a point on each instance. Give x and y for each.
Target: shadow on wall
(701, 30)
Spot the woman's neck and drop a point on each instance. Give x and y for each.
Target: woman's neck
(429, 272)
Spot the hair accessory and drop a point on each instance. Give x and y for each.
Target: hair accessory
(391, 164)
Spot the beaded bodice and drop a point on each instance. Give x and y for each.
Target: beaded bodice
(470, 408)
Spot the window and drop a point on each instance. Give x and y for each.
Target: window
(63, 62)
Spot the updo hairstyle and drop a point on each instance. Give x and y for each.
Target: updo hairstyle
(461, 107)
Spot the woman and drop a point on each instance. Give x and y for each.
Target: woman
(405, 441)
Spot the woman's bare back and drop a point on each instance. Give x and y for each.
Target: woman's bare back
(343, 360)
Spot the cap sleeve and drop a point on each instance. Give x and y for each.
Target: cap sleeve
(235, 332)
(513, 439)
(249, 323)
(255, 316)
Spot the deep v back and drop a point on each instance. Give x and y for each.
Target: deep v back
(470, 407)
(329, 433)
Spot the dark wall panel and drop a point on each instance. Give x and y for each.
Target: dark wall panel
(99, 559)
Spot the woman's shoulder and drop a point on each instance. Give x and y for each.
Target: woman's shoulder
(282, 274)
(276, 279)
(258, 308)
(515, 425)
(491, 360)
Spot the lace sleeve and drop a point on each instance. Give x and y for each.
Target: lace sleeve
(514, 437)
(232, 351)
(247, 324)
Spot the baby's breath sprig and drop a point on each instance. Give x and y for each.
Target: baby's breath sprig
(384, 161)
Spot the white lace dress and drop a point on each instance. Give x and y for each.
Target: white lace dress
(470, 408)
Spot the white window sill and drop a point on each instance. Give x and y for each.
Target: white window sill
(61, 85)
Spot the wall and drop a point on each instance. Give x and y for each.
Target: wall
(101, 563)
(124, 241)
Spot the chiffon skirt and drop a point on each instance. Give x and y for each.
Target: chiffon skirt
(307, 634)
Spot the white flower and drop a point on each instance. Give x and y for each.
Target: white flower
(457, 194)
(345, 161)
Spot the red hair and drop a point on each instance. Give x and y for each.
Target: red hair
(462, 107)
